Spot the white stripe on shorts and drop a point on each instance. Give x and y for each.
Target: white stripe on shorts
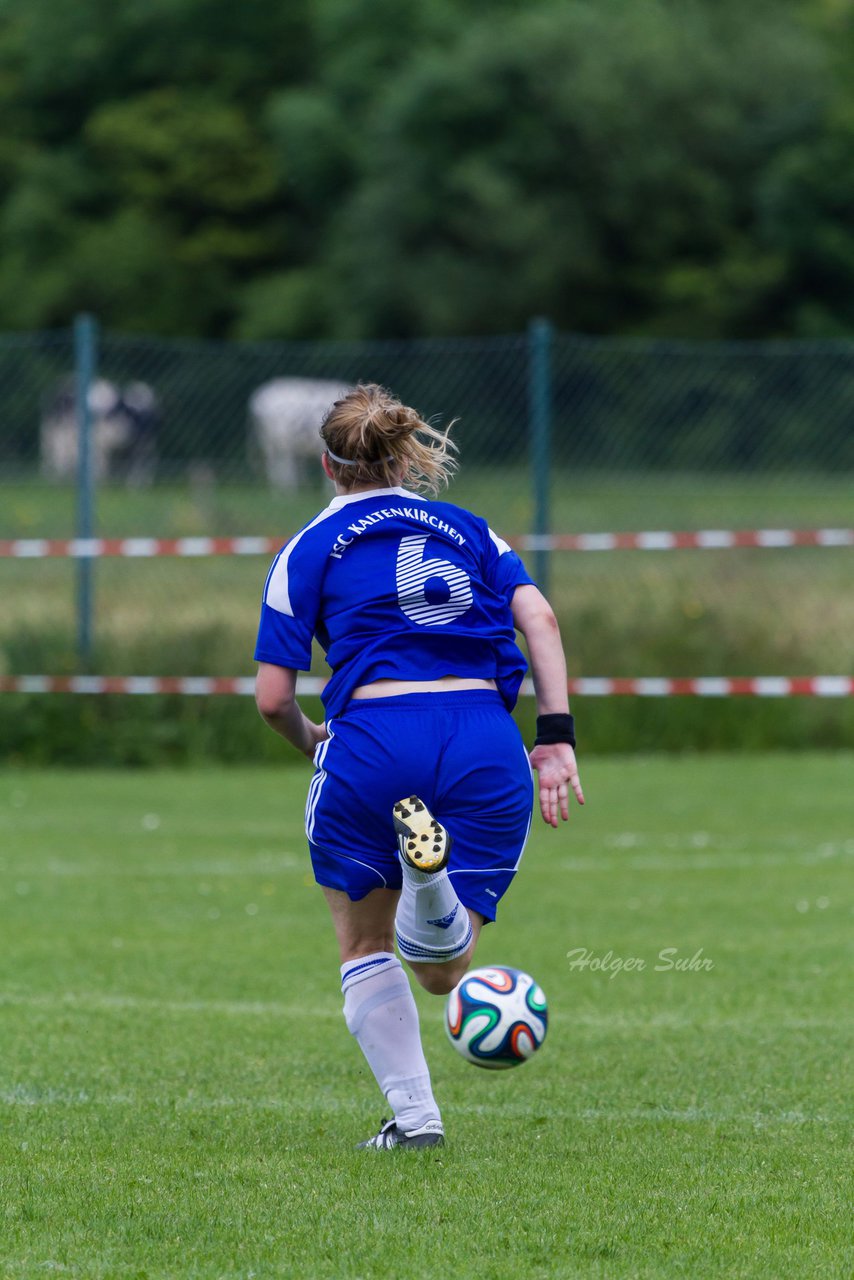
(317, 782)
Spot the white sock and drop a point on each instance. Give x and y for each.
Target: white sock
(380, 1012)
(431, 923)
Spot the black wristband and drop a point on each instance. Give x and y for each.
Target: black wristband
(557, 727)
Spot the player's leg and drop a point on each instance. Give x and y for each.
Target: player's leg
(362, 927)
(482, 805)
(440, 978)
(348, 824)
(380, 1013)
(436, 935)
(373, 753)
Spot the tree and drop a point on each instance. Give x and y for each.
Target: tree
(672, 167)
(575, 160)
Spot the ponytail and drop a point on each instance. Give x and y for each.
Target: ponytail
(373, 438)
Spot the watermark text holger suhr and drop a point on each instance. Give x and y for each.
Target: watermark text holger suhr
(668, 960)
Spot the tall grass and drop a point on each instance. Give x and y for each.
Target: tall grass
(685, 613)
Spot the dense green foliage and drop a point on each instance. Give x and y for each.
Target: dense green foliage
(323, 169)
(179, 1096)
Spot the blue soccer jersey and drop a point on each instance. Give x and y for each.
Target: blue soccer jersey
(394, 586)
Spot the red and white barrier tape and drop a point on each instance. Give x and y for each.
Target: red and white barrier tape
(94, 548)
(651, 540)
(701, 539)
(588, 687)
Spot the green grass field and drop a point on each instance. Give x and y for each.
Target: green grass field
(179, 1096)
(580, 502)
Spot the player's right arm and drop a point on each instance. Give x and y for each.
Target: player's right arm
(289, 612)
(555, 763)
(275, 697)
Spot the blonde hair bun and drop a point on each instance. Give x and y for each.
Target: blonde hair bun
(380, 440)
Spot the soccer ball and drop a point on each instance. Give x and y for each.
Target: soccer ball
(496, 1017)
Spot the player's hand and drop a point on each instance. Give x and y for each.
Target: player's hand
(556, 772)
(316, 734)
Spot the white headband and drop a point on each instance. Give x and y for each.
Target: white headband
(357, 462)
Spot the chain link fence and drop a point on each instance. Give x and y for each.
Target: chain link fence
(556, 434)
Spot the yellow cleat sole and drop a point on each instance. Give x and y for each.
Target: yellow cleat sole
(423, 842)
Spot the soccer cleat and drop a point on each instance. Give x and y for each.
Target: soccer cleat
(423, 842)
(429, 1135)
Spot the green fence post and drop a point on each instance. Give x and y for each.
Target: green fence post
(85, 358)
(540, 335)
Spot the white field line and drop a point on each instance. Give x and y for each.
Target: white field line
(117, 869)
(700, 861)
(92, 1270)
(92, 1002)
(23, 1097)
(220, 867)
(694, 1115)
(607, 864)
(271, 864)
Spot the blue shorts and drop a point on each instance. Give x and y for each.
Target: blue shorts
(460, 752)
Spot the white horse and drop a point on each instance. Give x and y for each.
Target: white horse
(285, 416)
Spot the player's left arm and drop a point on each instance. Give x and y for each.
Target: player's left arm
(275, 698)
(555, 762)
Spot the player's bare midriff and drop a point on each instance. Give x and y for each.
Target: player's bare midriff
(444, 684)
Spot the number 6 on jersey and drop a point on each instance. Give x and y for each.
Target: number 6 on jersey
(430, 592)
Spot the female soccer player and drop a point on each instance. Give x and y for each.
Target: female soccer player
(422, 795)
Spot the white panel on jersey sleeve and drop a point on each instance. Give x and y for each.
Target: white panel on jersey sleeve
(500, 543)
(278, 594)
